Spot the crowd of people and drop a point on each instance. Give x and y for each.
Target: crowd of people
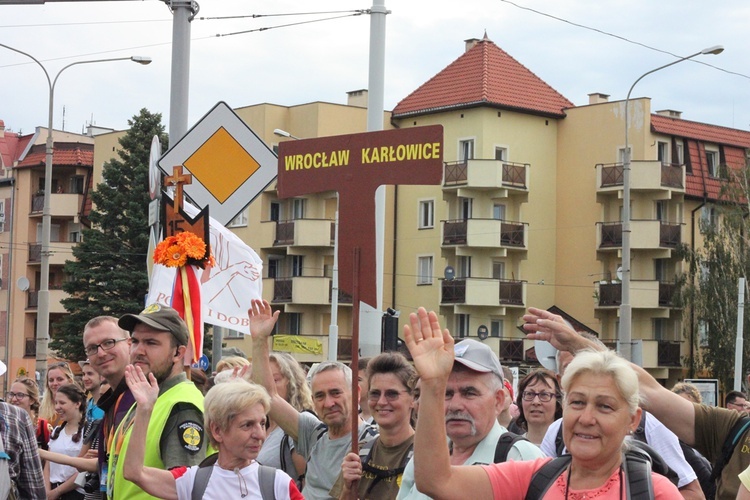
(437, 426)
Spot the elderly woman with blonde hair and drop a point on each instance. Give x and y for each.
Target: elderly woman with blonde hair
(600, 408)
(235, 420)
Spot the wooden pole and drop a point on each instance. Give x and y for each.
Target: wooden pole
(355, 348)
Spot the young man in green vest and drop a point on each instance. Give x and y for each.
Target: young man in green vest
(175, 433)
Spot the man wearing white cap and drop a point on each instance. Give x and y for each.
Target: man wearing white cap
(474, 398)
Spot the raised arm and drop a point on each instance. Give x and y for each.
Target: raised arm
(677, 413)
(157, 482)
(262, 321)
(432, 351)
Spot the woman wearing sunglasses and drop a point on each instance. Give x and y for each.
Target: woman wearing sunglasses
(376, 472)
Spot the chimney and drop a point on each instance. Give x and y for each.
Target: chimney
(471, 43)
(671, 113)
(598, 98)
(2, 128)
(357, 98)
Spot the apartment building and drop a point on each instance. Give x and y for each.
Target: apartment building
(21, 192)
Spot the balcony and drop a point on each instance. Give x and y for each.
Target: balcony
(487, 175)
(61, 205)
(310, 290)
(644, 176)
(485, 233)
(483, 292)
(511, 349)
(645, 235)
(55, 296)
(653, 354)
(304, 233)
(644, 294)
(60, 251)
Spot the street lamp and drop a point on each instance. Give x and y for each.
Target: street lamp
(626, 313)
(42, 323)
(284, 133)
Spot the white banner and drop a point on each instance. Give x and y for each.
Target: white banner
(227, 289)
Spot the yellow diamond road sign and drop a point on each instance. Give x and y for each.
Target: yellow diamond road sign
(229, 163)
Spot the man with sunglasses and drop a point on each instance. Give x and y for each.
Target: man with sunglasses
(474, 398)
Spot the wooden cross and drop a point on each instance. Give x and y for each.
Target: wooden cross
(177, 179)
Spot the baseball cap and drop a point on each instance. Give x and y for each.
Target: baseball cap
(158, 317)
(478, 357)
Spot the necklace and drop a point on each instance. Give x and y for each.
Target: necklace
(567, 483)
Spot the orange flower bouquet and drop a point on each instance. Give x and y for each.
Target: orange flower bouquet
(183, 249)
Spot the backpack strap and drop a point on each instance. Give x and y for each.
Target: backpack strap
(380, 474)
(545, 477)
(640, 431)
(504, 444)
(559, 444)
(202, 475)
(267, 481)
(637, 477)
(729, 444)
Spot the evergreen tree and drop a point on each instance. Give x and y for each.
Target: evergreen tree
(108, 275)
(714, 270)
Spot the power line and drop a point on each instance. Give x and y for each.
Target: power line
(619, 37)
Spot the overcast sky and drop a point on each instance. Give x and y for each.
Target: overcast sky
(324, 60)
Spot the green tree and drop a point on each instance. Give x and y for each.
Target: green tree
(714, 271)
(108, 275)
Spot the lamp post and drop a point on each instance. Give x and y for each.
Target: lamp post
(42, 322)
(626, 312)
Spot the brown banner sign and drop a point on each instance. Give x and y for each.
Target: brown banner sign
(355, 166)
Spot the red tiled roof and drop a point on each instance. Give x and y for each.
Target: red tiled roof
(484, 75)
(10, 148)
(74, 154)
(702, 131)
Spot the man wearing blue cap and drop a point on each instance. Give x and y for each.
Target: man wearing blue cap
(474, 398)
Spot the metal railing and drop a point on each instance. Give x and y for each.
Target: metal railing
(611, 236)
(513, 174)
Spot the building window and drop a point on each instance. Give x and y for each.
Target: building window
(496, 328)
(498, 211)
(662, 152)
(294, 323)
(298, 208)
(466, 150)
(661, 211)
(424, 270)
(703, 333)
(240, 220)
(273, 268)
(275, 211)
(2, 215)
(426, 214)
(297, 265)
(660, 328)
(465, 208)
(234, 334)
(462, 325)
(501, 154)
(76, 184)
(464, 267)
(680, 154)
(498, 270)
(709, 218)
(712, 162)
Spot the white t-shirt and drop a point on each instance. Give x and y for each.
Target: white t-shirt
(64, 444)
(227, 485)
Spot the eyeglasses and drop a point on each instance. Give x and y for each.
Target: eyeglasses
(390, 395)
(544, 397)
(108, 344)
(16, 395)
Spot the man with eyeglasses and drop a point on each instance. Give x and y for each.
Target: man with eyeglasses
(324, 444)
(474, 398)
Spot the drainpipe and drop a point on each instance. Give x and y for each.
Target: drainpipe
(395, 246)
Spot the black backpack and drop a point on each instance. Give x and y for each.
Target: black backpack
(637, 474)
(730, 443)
(504, 445)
